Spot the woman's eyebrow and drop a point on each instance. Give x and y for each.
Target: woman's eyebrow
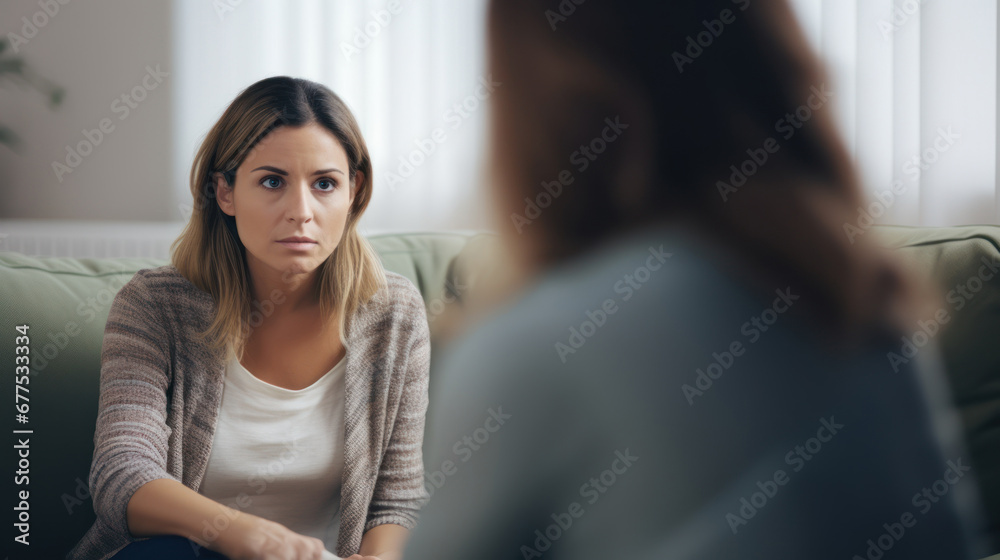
(283, 172)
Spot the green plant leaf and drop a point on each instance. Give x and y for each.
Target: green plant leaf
(56, 96)
(12, 66)
(8, 137)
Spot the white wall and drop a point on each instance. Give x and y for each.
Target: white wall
(98, 51)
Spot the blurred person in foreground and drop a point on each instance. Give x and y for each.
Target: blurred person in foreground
(696, 359)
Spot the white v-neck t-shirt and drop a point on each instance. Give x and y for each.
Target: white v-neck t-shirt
(279, 453)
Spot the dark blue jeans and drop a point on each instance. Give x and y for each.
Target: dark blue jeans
(166, 547)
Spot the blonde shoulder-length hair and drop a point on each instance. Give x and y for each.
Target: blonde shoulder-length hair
(209, 252)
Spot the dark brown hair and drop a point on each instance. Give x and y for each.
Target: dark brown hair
(703, 87)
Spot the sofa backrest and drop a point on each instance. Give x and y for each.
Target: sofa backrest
(965, 264)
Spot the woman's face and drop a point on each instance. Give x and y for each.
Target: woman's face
(293, 183)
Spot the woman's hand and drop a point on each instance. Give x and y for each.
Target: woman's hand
(251, 537)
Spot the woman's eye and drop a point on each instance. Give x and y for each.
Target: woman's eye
(328, 182)
(267, 182)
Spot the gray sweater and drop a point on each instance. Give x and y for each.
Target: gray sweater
(161, 391)
(645, 402)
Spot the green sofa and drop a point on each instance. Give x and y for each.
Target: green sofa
(65, 303)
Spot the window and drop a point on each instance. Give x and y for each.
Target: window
(916, 101)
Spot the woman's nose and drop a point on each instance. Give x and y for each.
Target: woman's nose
(298, 203)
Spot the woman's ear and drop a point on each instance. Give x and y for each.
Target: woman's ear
(224, 194)
(356, 182)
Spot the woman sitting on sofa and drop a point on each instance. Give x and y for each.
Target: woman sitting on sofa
(264, 395)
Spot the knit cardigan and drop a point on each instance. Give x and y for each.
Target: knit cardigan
(161, 390)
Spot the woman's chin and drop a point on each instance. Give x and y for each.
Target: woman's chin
(300, 265)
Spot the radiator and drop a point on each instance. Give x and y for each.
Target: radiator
(83, 239)
(80, 239)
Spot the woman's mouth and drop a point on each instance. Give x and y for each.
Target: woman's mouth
(299, 245)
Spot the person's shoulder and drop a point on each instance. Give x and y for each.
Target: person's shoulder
(657, 279)
(399, 296)
(160, 278)
(402, 287)
(397, 302)
(629, 272)
(164, 286)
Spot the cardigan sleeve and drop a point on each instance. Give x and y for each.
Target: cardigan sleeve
(131, 437)
(399, 488)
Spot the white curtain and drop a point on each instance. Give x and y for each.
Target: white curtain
(411, 71)
(916, 100)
